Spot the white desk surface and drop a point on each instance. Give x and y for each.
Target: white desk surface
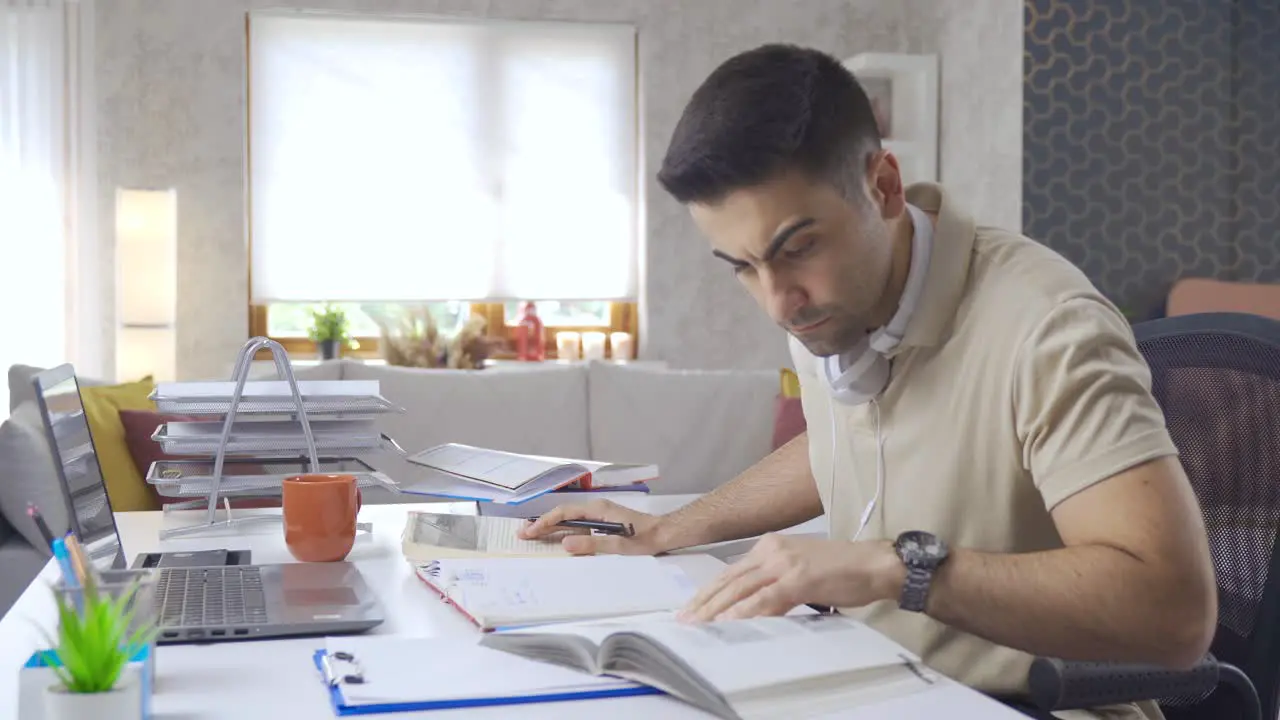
(273, 679)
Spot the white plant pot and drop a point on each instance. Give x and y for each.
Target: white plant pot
(122, 703)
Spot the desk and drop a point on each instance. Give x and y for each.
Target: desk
(274, 679)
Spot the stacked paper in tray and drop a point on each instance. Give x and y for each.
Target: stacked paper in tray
(266, 442)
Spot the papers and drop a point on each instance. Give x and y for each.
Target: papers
(504, 592)
(388, 674)
(269, 388)
(433, 536)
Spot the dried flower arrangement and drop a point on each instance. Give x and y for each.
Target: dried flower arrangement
(412, 338)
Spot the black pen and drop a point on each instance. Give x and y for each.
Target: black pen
(608, 528)
(34, 512)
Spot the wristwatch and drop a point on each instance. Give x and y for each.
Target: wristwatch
(923, 553)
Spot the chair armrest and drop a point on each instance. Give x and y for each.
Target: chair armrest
(1061, 685)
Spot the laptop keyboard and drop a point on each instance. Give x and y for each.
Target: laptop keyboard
(196, 597)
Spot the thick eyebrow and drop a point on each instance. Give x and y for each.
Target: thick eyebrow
(775, 244)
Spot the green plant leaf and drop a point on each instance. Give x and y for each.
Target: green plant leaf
(95, 641)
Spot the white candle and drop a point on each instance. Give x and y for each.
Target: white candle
(593, 345)
(567, 345)
(620, 343)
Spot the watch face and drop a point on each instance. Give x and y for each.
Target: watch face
(921, 548)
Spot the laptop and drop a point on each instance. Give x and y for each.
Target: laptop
(200, 597)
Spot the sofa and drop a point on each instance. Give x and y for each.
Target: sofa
(700, 427)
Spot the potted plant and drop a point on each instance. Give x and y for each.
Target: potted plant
(97, 638)
(330, 331)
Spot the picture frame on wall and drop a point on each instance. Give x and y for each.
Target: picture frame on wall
(903, 89)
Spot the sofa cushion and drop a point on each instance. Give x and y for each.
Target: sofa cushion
(788, 420)
(102, 406)
(701, 427)
(27, 474)
(20, 563)
(540, 410)
(21, 389)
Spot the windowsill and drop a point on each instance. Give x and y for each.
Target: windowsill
(260, 367)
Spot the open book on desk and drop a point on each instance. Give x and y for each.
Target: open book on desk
(466, 472)
(504, 592)
(759, 669)
(436, 536)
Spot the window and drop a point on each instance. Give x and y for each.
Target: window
(466, 164)
(37, 66)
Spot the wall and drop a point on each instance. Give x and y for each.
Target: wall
(1150, 134)
(980, 148)
(171, 94)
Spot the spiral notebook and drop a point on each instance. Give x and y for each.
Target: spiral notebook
(499, 593)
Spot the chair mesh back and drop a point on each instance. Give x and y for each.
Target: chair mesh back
(1217, 378)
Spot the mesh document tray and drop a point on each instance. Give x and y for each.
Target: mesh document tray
(273, 397)
(268, 438)
(194, 478)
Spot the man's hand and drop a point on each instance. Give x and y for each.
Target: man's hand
(783, 571)
(579, 542)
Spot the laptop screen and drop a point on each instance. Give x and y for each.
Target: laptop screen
(76, 459)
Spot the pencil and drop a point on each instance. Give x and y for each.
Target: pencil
(34, 513)
(78, 562)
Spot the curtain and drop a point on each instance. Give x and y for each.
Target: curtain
(415, 159)
(32, 183)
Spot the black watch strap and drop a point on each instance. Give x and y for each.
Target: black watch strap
(916, 589)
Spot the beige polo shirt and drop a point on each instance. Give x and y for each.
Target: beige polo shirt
(1017, 384)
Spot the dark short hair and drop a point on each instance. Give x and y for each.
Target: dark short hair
(767, 111)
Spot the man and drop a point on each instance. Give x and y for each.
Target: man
(976, 410)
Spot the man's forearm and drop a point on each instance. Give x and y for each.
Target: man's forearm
(775, 493)
(1079, 603)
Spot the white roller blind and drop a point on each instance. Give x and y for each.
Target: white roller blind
(409, 160)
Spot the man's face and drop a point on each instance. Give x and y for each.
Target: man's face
(816, 262)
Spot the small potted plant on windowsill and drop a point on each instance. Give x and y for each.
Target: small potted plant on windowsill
(330, 332)
(97, 639)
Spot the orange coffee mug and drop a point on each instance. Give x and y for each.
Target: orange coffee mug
(320, 516)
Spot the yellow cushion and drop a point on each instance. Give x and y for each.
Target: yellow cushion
(126, 487)
(790, 383)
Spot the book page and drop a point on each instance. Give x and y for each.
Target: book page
(506, 470)
(526, 591)
(430, 536)
(741, 655)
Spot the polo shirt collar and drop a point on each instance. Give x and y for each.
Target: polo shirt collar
(944, 284)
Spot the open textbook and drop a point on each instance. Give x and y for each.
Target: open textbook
(788, 668)
(434, 536)
(484, 475)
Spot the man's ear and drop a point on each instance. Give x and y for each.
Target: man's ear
(884, 180)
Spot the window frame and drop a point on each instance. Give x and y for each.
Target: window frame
(623, 317)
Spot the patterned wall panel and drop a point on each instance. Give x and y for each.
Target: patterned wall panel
(1257, 187)
(1150, 140)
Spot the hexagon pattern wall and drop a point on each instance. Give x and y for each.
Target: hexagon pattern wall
(1151, 140)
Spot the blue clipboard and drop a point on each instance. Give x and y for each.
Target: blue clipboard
(340, 707)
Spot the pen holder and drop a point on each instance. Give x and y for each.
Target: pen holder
(42, 692)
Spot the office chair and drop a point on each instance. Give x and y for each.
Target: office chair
(1217, 378)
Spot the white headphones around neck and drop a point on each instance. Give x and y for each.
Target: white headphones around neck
(867, 372)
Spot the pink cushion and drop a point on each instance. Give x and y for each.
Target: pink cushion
(788, 420)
